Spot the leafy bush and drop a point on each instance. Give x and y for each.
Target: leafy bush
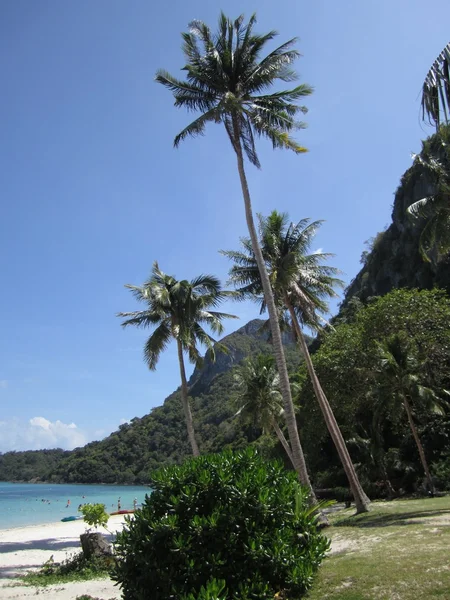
(231, 517)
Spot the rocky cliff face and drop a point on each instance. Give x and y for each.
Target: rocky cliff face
(394, 260)
(246, 341)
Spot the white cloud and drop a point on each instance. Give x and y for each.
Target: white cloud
(39, 433)
(3, 384)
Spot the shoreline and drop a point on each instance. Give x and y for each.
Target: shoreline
(24, 549)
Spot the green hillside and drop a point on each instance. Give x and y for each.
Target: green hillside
(129, 454)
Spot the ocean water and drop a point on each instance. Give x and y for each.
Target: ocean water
(24, 504)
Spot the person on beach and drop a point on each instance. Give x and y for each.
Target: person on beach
(118, 504)
(135, 503)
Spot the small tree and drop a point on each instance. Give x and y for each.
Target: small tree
(94, 543)
(95, 515)
(231, 523)
(259, 399)
(398, 385)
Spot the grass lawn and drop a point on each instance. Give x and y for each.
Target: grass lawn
(398, 551)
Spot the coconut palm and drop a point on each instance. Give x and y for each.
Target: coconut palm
(259, 398)
(301, 285)
(399, 386)
(177, 310)
(436, 90)
(433, 167)
(228, 82)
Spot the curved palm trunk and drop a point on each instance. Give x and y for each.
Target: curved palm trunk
(283, 440)
(362, 502)
(185, 402)
(416, 437)
(298, 457)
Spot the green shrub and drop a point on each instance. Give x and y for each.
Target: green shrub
(231, 517)
(74, 568)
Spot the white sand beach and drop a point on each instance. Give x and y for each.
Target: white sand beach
(26, 548)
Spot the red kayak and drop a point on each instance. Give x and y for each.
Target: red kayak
(122, 512)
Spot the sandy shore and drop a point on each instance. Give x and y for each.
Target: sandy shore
(26, 548)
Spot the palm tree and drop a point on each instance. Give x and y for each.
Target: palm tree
(226, 81)
(301, 284)
(399, 386)
(436, 90)
(177, 310)
(433, 166)
(259, 398)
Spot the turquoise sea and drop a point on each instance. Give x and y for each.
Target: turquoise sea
(24, 504)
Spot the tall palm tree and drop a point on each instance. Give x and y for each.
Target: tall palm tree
(436, 90)
(177, 310)
(433, 166)
(399, 386)
(301, 285)
(227, 82)
(259, 398)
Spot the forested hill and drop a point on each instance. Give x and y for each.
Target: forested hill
(129, 454)
(392, 259)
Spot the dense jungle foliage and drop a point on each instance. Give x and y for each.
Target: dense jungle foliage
(349, 363)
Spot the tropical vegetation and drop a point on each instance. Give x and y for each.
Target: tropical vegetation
(233, 521)
(301, 284)
(433, 210)
(258, 397)
(394, 348)
(436, 90)
(227, 82)
(178, 310)
(398, 381)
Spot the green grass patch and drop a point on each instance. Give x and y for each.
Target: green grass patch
(398, 551)
(75, 568)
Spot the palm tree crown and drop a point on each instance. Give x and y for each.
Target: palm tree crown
(294, 272)
(399, 376)
(259, 398)
(436, 90)
(226, 80)
(433, 166)
(178, 309)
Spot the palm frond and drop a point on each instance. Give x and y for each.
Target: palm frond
(192, 96)
(139, 318)
(436, 90)
(156, 344)
(197, 127)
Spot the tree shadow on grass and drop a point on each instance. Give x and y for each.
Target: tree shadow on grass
(391, 520)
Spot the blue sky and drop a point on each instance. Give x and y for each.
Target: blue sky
(92, 191)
